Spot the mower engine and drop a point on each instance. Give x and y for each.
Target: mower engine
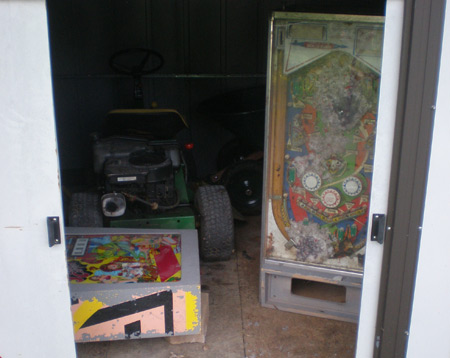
(138, 172)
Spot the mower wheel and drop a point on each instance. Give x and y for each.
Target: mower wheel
(244, 183)
(85, 210)
(216, 232)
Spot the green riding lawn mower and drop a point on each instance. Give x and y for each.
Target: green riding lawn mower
(142, 183)
(141, 174)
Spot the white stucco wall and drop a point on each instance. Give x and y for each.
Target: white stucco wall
(429, 334)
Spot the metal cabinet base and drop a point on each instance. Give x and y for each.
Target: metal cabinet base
(311, 290)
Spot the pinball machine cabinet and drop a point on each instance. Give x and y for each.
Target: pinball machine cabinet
(322, 98)
(133, 283)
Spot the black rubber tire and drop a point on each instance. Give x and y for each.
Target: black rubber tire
(244, 183)
(216, 231)
(85, 210)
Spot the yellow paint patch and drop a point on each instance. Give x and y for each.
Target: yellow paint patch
(178, 256)
(191, 311)
(84, 311)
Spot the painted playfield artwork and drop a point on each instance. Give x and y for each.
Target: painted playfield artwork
(125, 258)
(326, 83)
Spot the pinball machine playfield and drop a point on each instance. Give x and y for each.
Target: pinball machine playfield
(323, 88)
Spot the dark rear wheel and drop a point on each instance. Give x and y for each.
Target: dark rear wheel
(244, 183)
(85, 210)
(216, 232)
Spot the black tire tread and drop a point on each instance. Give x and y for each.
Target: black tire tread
(216, 232)
(85, 210)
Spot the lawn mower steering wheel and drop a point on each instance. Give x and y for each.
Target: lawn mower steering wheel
(133, 62)
(138, 69)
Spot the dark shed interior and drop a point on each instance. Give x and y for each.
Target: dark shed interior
(209, 47)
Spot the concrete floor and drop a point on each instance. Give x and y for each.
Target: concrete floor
(238, 326)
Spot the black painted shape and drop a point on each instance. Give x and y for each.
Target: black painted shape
(163, 298)
(132, 328)
(378, 228)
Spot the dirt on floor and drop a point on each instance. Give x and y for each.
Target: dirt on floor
(239, 327)
(274, 333)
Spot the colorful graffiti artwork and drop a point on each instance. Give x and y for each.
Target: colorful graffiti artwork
(124, 258)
